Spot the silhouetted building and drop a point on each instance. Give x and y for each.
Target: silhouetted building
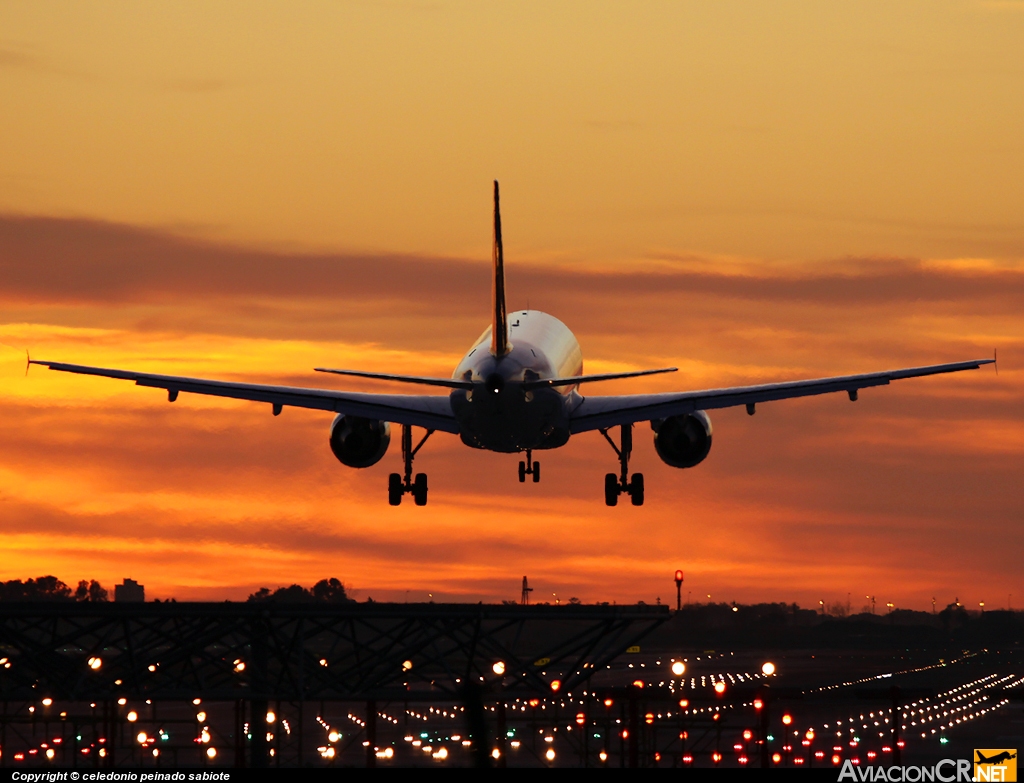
(130, 591)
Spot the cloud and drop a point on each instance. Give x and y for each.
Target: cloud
(908, 492)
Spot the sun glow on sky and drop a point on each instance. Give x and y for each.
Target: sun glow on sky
(747, 193)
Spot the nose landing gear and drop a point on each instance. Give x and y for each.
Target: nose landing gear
(617, 485)
(398, 485)
(529, 468)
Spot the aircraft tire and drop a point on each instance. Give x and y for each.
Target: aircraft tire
(536, 472)
(419, 489)
(522, 472)
(611, 489)
(395, 489)
(636, 489)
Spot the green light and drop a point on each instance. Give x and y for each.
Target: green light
(424, 735)
(943, 740)
(771, 738)
(510, 733)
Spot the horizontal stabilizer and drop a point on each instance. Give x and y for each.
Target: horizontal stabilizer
(543, 383)
(380, 376)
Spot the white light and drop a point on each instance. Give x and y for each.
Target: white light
(768, 669)
(499, 668)
(679, 668)
(211, 753)
(550, 755)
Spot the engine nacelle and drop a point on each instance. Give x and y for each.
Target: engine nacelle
(683, 441)
(359, 443)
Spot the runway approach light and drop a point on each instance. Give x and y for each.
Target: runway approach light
(787, 719)
(679, 668)
(768, 668)
(406, 665)
(271, 717)
(556, 685)
(720, 687)
(499, 668)
(95, 663)
(132, 716)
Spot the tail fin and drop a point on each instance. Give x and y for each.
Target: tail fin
(499, 318)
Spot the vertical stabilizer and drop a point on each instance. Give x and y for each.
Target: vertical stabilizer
(499, 317)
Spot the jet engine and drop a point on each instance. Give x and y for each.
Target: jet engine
(683, 441)
(359, 443)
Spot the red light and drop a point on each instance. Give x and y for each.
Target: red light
(534, 702)
(716, 757)
(556, 684)
(679, 576)
(737, 746)
(649, 718)
(608, 702)
(838, 748)
(638, 683)
(742, 759)
(855, 760)
(787, 719)
(687, 759)
(717, 716)
(899, 744)
(871, 754)
(657, 757)
(684, 703)
(625, 734)
(581, 718)
(886, 749)
(777, 758)
(798, 761)
(758, 704)
(806, 743)
(747, 734)
(836, 759)
(684, 735)
(819, 754)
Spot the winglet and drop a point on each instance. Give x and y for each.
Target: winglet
(995, 359)
(28, 362)
(499, 318)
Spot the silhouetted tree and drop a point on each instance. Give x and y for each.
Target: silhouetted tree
(44, 588)
(330, 590)
(90, 591)
(325, 591)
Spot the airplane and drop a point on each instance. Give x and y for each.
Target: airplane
(1004, 756)
(516, 390)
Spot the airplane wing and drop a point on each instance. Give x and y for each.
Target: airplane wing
(602, 412)
(431, 411)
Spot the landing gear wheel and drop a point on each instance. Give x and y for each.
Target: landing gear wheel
(536, 472)
(636, 489)
(419, 489)
(611, 489)
(522, 472)
(395, 489)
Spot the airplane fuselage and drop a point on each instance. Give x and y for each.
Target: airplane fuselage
(499, 415)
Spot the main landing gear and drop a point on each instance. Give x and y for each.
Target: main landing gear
(616, 485)
(399, 485)
(529, 468)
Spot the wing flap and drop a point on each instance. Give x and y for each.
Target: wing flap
(601, 412)
(430, 411)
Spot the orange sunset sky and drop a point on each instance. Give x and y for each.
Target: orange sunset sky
(752, 192)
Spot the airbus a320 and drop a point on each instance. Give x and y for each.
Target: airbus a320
(517, 390)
